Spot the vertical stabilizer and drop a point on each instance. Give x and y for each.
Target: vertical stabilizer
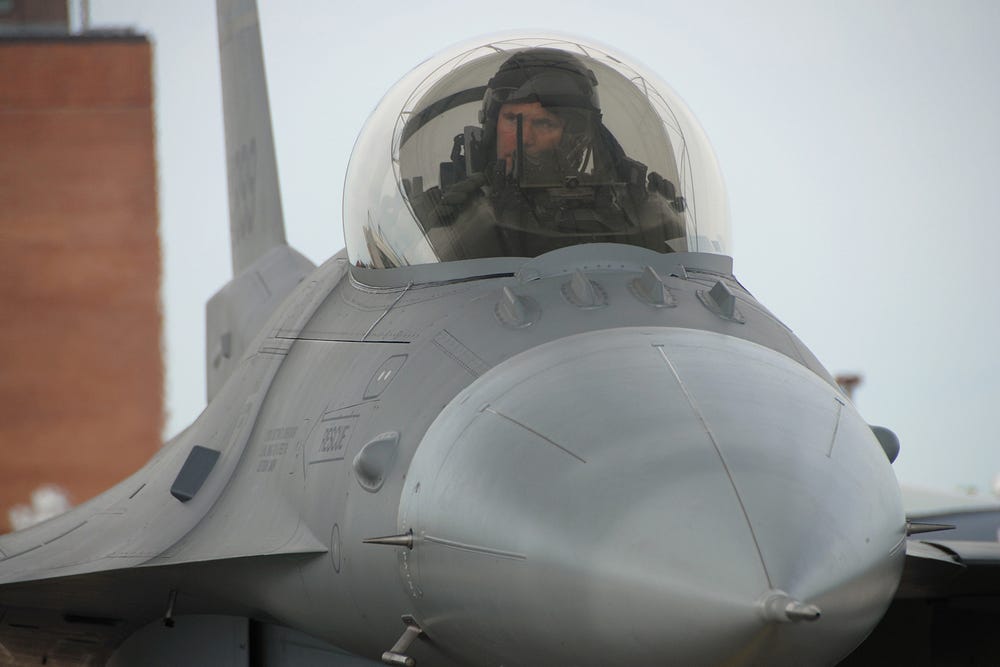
(265, 269)
(255, 220)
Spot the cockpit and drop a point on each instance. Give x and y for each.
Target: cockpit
(521, 146)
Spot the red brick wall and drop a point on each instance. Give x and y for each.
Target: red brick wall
(81, 374)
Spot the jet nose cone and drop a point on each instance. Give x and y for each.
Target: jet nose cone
(650, 497)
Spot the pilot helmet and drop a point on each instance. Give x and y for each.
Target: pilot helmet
(558, 81)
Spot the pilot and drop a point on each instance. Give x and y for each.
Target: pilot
(544, 172)
(549, 89)
(542, 131)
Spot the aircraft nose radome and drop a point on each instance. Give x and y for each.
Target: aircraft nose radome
(650, 497)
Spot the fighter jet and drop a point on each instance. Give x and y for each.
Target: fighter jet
(527, 417)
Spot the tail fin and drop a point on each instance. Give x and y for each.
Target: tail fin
(265, 269)
(255, 220)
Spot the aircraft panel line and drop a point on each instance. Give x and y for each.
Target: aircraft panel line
(534, 432)
(475, 548)
(722, 459)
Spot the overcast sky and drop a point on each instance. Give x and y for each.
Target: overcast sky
(859, 140)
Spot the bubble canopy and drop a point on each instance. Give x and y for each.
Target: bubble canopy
(516, 146)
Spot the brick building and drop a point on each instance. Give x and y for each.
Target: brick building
(81, 375)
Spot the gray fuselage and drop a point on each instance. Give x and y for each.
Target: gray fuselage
(611, 473)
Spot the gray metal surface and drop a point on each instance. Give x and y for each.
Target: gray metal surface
(761, 440)
(657, 520)
(981, 524)
(255, 219)
(236, 313)
(601, 455)
(194, 641)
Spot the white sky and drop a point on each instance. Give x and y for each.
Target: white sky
(859, 140)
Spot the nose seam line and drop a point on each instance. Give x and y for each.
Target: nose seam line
(722, 459)
(536, 433)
